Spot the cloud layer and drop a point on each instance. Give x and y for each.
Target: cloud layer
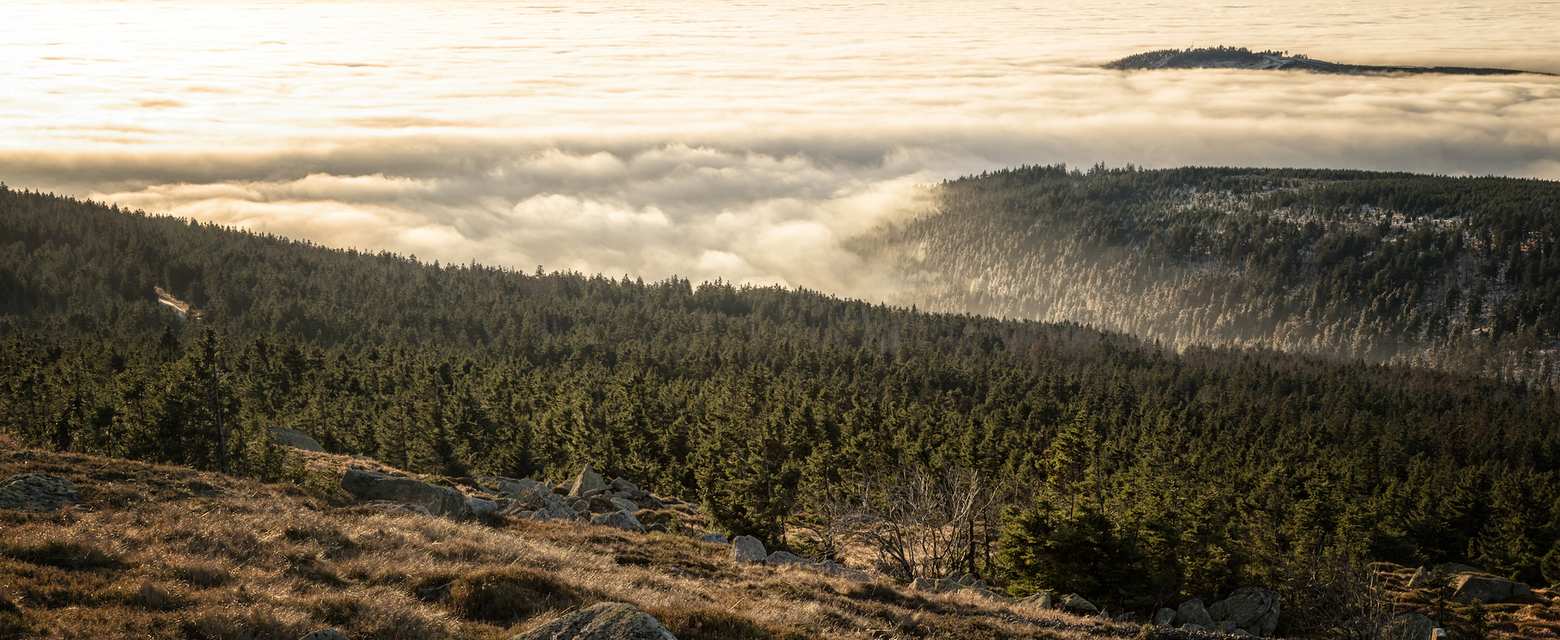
(745, 145)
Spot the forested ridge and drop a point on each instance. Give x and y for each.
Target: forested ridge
(1133, 473)
(1457, 273)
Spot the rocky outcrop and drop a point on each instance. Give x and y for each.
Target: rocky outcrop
(748, 549)
(37, 492)
(1250, 608)
(1472, 588)
(586, 483)
(605, 621)
(295, 439)
(436, 500)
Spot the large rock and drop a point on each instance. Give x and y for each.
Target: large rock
(748, 549)
(1040, 600)
(1410, 626)
(1471, 588)
(1193, 612)
(1250, 608)
(620, 520)
(783, 558)
(624, 504)
(586, 483)
(553, 512)
(1164, 617)
(625, 489)
(605, 621)
(514, 488)
(437, 500)
(295, 439)
(481, 507)
(1075, 603)
(37, 492)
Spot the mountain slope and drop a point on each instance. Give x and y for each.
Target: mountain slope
(1459, 273)
(1197, 472)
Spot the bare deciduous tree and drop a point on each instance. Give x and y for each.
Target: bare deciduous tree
(919, 523)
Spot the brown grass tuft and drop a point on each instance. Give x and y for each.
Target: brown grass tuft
(509, 595)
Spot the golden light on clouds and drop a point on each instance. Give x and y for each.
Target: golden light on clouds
(748, 141)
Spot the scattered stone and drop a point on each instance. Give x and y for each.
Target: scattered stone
(325, 634)
(716, 538)
(620, 520)
(587, 480)
(1040, 600)
(748, 549)
(295, 439)
(1075, 603)
(37, 492)
(783, 558)
(623, 504)
(605, 621)
(625, 489)
(515, 488)
(1470, 588)
(1410, 626)
(1250, 608)
(558, 512)
(437, 500)
(481, 507)
(1164, 617)
(1193, 612)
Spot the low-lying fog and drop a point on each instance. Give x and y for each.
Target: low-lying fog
(742, 141)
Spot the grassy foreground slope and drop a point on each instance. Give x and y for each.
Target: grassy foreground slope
(169, 552)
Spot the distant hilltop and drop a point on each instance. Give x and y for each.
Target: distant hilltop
(1243, 58)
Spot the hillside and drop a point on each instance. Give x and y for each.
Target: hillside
(1133, 474)
(1456, 273)
(167, 552)
(1243, 58)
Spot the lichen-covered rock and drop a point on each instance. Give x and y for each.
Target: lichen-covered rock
(1250, 608)
(553, 512)
(37, 492)
(624, 504)
(1410, 626)
(784, 558)
(619, 520)
(295, 439)
(748, 549)
(605, 621)
(1193, 612)
(1075, 603)
(437, 500)
(515, 488)
(1040, 600)
(587, 482)
(1471, 588)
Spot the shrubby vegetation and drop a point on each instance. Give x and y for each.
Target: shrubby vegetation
(1153, 474)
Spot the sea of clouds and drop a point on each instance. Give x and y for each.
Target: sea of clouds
(719, 144)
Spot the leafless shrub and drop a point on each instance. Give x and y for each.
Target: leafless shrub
(919, 524)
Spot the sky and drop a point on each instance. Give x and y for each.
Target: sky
(747, 141)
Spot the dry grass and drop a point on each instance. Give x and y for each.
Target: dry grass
(165, 552)
(1533, 620)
